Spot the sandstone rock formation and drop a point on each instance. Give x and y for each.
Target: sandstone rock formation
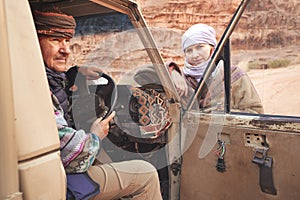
(266, 24)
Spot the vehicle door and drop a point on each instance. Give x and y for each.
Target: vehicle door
(30, 158)
(234, 153)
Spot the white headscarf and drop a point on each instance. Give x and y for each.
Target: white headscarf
(197, 34)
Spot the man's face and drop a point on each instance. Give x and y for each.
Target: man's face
(198, 53)
(55, 51)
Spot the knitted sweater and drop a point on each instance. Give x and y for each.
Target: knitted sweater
(78, 148)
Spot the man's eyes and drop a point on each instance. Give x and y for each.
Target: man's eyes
(60, 40)
(55, 39)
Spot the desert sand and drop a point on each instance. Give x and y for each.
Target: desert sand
(278, 89)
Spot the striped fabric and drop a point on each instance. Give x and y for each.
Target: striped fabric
(78, 148)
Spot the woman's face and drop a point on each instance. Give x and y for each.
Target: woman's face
(198, 53)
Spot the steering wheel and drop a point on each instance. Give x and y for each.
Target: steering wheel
(91, 100)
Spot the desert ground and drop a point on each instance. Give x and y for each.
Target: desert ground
(278, 89)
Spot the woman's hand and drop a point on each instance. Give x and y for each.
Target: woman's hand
(91, 73)
(101, 127)
(180, 83)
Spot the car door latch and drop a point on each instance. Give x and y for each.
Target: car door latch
(265, 164)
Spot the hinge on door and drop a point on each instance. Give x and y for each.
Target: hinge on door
(176, 167)
(265, 170)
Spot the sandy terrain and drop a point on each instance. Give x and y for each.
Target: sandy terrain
(279, 89)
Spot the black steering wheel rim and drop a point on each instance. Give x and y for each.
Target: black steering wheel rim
(92, 101)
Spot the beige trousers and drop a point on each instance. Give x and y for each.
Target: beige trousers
(136, 179)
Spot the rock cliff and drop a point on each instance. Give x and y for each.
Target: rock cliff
(266, 24)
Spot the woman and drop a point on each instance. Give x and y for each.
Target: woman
(198, 45)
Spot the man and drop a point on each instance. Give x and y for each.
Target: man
(137, 179)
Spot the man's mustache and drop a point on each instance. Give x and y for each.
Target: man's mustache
(62, 56)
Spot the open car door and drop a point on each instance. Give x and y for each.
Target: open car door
(239, 154)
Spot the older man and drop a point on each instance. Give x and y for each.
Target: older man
(137, 179)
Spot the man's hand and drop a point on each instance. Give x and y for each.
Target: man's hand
(91, 73)
(180, 83)
(101, 127)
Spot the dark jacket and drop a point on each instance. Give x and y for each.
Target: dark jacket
(60, 83)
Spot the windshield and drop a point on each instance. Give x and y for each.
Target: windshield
(110, 42)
